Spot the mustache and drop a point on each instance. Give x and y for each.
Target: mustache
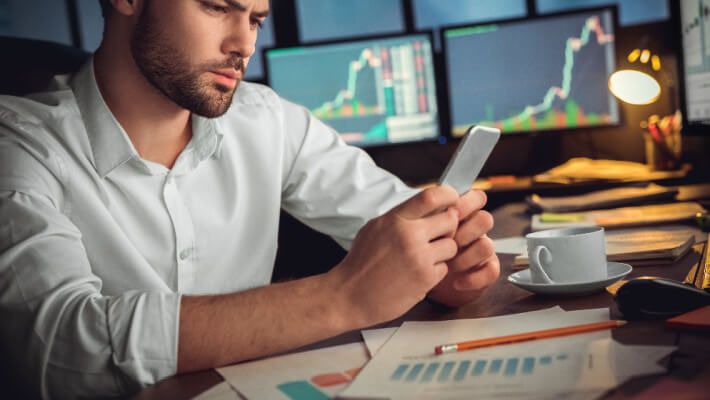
(236, 63)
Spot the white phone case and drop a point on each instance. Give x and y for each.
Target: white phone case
(470, 155)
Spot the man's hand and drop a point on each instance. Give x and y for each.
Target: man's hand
(476, 265)
(398, 258)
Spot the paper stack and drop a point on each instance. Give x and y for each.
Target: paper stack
(617, 197)
(623, 217)
(399, 363)
(641, 246)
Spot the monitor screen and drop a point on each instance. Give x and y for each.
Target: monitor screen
(631, 12)
(433, 14)
(546, 73)
(91, 24)
(695, 77)
(35, 19)
(265, 38)
(373, 91)
(331, 19)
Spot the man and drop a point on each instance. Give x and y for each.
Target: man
(139, 202)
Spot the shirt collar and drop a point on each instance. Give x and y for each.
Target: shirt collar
(109, 142)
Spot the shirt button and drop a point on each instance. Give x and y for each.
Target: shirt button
(185, 254)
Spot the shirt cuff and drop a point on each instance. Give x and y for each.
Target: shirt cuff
(143, 328)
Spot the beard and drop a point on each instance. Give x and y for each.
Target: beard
(167, 68)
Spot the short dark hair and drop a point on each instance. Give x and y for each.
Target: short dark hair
(105, 7)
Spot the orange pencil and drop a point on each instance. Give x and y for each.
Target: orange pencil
(521, 337)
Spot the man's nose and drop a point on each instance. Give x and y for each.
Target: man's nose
(241, 41)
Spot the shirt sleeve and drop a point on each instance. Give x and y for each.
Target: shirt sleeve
(59, 334)
(333, 187)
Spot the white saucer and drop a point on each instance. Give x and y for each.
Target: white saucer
(615, 271)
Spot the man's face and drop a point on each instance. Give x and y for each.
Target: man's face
(195, 51)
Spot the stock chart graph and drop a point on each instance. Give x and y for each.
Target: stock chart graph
(371, 92)
(346, 103)
(532, 75)
(695, 25)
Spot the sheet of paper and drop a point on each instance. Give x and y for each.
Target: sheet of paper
(405, 366)
(375, 338)
(316, 374)
(511, 245)
(630, 361)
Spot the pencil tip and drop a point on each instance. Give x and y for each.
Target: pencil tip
(621, 322)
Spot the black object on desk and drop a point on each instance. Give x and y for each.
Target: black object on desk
(655, 298)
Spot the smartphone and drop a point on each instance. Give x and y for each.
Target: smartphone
(467, 162)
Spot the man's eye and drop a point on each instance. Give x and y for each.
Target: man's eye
(257, 23)
(215, 8)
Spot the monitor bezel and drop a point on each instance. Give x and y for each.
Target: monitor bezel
(369, 38)
(689, 128)
(448, 120)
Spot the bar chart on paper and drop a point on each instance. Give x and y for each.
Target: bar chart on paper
(310, 375)
(406, 367)
(473, 369)
(316, 388)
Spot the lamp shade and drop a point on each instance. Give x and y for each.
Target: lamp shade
(634, 87)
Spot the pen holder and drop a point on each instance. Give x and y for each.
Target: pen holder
(663, 151)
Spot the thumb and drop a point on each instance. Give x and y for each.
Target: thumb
(440, 272)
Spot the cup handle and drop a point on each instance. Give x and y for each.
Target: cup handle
(536, 265)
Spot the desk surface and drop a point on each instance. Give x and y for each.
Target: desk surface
(690, 364)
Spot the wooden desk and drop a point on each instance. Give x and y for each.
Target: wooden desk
(690, 364)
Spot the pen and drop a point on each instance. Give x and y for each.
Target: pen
(521, 337)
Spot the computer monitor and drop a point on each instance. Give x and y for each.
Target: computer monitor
(537, 74)
(372, 91)
(329, 19)
(694, 76)
(631, 12)
(433, 14)
(265, 38)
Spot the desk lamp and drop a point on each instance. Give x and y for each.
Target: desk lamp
(637, 85)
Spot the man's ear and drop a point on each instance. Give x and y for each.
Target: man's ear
(127, 7)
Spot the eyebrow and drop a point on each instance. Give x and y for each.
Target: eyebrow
(241, 7)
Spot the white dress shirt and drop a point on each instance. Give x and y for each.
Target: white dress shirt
(97, 245)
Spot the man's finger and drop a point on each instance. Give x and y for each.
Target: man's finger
(479, 251)
(479, 278)
(427, 202)
(479, 224)
(442, 224)
(471, 202)
(443, 249)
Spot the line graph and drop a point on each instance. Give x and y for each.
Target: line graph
(370, 91)
(346, 103)
(548, 94)
(696, 35)
(573, 45)
(695, 23)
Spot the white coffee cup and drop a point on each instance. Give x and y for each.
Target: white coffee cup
(567, 255)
